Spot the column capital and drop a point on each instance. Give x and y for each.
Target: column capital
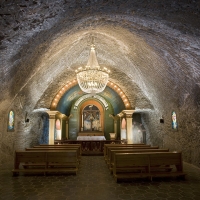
(67, 118)
(128, 113)
(52, 113)
(121, 114)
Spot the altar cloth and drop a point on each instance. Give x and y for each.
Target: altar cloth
(91, 138)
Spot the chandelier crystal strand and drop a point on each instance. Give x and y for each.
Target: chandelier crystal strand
(92, 79)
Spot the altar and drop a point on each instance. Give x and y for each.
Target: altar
(91, 138)
(91, 133)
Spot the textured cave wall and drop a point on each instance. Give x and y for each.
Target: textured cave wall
(26, 134)
(151, 47)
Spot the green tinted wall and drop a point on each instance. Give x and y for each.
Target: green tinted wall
(74, 122)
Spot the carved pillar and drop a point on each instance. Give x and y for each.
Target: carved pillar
(82, 122)
(67, 126)
(115, 118)
(52, 116)
(129, 125)
(120, 115)
(100, 129)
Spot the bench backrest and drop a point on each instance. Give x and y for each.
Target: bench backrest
(112, 152)
(26, 156)
(38, 148)
(57, 145)
(170, 158)
(130, 160)
(130, 147)
(122, 145)
(147, 159)
(125, 145)
(51, 149)
(62, 157)
(44, 156)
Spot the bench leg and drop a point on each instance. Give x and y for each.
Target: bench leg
(15, 173)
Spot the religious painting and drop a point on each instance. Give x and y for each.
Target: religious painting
(174, 121)
(91, 118)
(11, 121)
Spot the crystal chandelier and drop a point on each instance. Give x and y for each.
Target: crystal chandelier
(92, 79)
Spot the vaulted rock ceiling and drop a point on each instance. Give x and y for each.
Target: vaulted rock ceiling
(150, 48)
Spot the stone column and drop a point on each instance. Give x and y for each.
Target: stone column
(67, 126)
(120, 115)
(82, 122)
(52, 117)
(129, 125)
(115, 118)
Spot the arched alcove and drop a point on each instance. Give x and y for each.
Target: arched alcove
(101, 110)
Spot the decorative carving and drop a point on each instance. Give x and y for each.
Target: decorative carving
(115, 118)
(68, 117)
(128, 113)
(91, 96)
(52, 114)
(120, 114)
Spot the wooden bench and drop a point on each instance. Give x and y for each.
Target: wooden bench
(110, 160)
(121, 145)
(45, 162)
(129, 147)
(147, 165)
(60, 147)
(107, 145)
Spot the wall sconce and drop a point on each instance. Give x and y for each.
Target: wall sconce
(26, 119)
(162, 119)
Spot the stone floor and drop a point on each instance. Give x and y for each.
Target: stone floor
(94, 182)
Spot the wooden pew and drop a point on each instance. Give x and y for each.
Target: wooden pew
(122, 145)
(147, 165)
(107, 145)
(130, 147)
(58, 149)
(110, 160)
(58, 145)
(45, 162)
(62, 161)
